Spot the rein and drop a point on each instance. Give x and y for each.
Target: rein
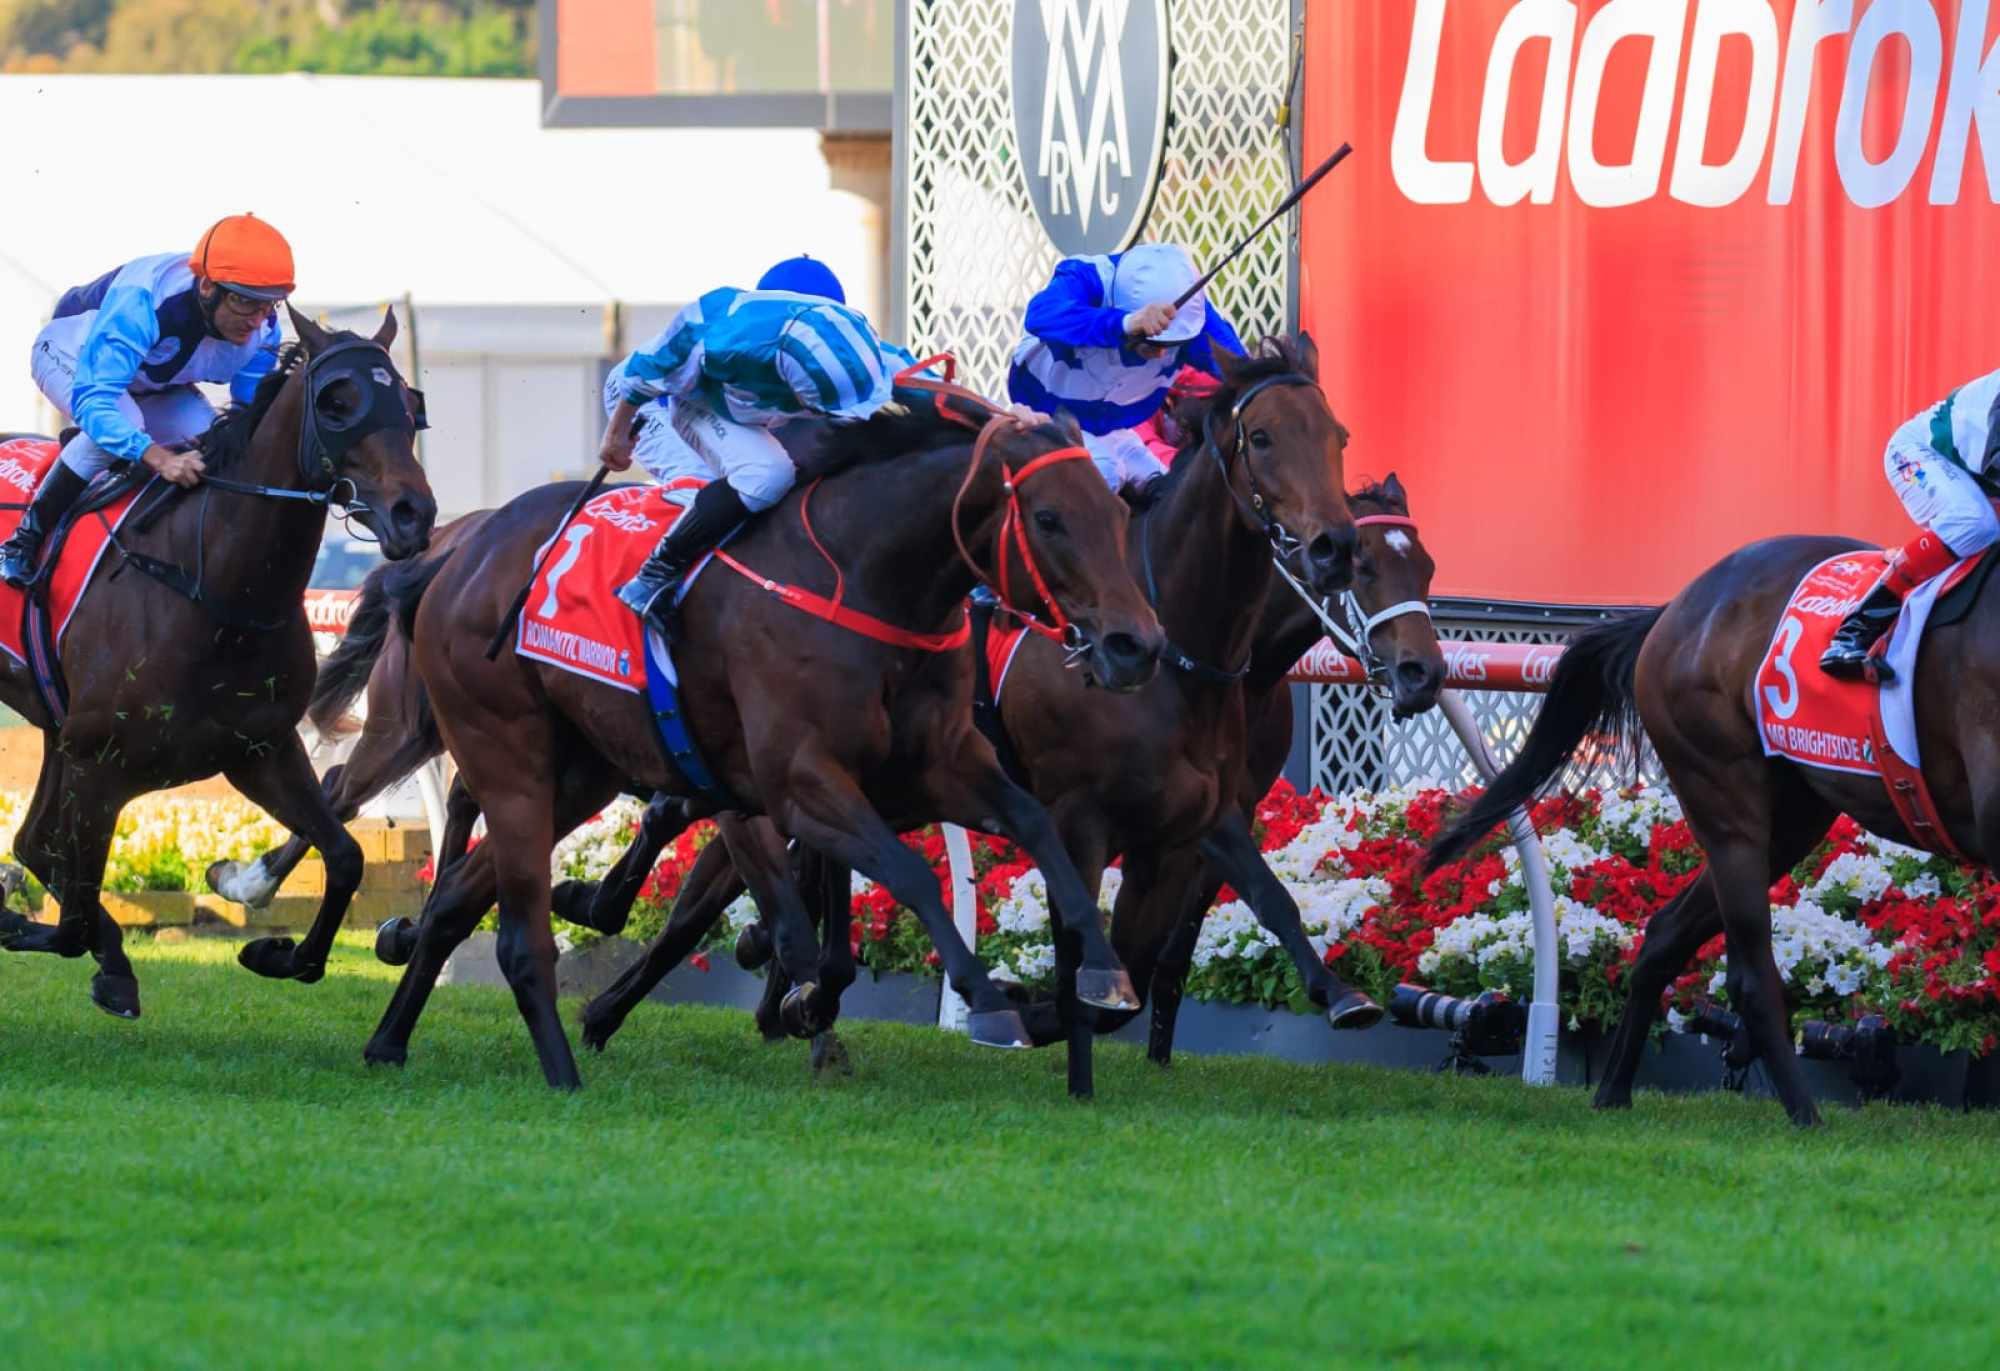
(1358, 645)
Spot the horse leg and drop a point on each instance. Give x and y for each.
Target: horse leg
(827, 810)
(34, 844)
(281, 782)
(1234, 855)
(526, 946)
(975, 793)
(830, 884)
(760, 857)
(710, 888)
(1168, 982)
(89, 823)
(458, 901)
(1673, 935)
(396, 939)
(605, 905)
(1085, 843)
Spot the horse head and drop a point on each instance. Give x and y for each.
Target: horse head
(1063, 543)
(357, 433)
(1389, 606)
(1282, 455)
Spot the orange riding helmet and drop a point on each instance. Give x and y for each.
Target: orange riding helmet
(244, 254)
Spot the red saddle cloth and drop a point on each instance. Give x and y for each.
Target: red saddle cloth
(1811, 718)
(573, 618)
(1003, 640)
(22, 462)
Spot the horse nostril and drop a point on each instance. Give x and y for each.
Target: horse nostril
(1414, 675)
(1123, 650)
(1321, 549)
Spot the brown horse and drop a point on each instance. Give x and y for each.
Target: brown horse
(1684, 676)
(820, 727)
(199, 659)
(1158, 915)
(1162, 771)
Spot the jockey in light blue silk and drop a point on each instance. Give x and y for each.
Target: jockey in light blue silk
(729, 369)
(1104, 342)
(123, 353)
(1931, 462)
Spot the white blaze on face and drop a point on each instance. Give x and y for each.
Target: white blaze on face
(1398, 541)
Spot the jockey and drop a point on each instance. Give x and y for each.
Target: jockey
(1933, 462)
(122, 356)
(663, 453)
(1104, 342)
(737, 364)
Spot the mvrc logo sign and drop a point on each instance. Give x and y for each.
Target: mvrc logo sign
(1090, 116)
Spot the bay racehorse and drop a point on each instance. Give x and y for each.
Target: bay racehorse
(1162, 770)
(1158, 915)
(191, 655)
(1682, 676)
(821, 727)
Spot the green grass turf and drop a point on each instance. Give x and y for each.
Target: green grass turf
(223, 1184)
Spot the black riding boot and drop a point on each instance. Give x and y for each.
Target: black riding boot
(58, 492)
(716, 510)
(1846, 657)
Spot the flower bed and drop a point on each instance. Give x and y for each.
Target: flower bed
(164, 842)
(1861, 925)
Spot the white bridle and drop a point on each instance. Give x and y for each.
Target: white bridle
(1355, 645)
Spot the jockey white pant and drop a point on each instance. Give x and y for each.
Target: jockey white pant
(166, 416)
(663, 454)
(1939, 494)
(1122, 458)
(752, 460)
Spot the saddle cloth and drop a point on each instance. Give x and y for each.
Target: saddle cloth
(573, 618)
(1003, 640)
(22, 463)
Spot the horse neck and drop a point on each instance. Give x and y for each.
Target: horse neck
(1286, 631)
(260, 548)
(887, 526)
(1211, 572)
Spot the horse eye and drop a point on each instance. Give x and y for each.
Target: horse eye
(1259, 439)
(1048, 521)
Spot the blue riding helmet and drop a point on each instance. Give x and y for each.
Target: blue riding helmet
(804, 276)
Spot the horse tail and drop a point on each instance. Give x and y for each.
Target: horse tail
(344, 674)
(1591, 693)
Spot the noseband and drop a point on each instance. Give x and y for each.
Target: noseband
(1359, 644)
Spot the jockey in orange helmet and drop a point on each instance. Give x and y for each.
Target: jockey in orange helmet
(123, 353)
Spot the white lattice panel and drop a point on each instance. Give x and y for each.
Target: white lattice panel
(974, 250)
(1356, 745)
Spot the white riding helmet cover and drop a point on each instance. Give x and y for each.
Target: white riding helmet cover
(1152, 272)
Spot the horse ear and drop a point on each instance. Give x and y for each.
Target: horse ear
(1392, 490)
(386, 334)
(1231, 363)
(311, 335)
(1070, 427)
(1308, 352)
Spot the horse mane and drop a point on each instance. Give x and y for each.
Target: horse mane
(906, 428)
(228, 438)
(1376, 493)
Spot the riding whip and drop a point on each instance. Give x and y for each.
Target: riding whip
(507, 621)
(1298, 194)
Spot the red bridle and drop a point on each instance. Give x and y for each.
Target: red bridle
(1011, 520)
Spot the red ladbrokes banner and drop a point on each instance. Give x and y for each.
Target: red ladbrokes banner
(1619, 285)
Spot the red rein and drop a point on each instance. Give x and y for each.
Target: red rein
(867, 625)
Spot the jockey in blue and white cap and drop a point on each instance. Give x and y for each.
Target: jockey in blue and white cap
(123, 353)
(1104, 342)
(737, 364)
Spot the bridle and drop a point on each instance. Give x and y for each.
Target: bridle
(1358, 644)
(387, 402)
(1058, 626)
(1256, 509)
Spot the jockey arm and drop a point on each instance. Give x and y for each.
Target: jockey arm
(1071, 309)
(125, 330)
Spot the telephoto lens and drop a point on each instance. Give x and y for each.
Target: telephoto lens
(1490, 1025)
(1415, 1007)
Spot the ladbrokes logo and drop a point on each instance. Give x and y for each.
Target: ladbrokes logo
(1090, 113)
(1953, 82)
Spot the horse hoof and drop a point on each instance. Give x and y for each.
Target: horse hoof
(243, 883)
(598, 1028)
(1353, 1010)
(829, 1056)
(997, 1028)
(379, 1053)
(753, 947)
(1107, 989)
(1607, 1099)
(799, 1015)
(271, 957)
(18, 934)
(117, 996)
(395, 941)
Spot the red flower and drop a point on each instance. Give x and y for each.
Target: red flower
(699, 961)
